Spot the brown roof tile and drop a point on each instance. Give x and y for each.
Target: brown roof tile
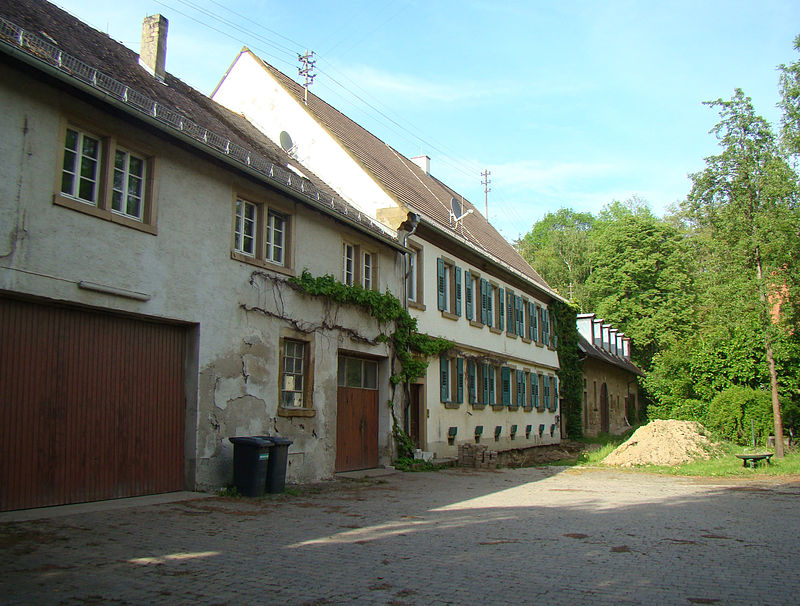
(99, 51)
(411, 186)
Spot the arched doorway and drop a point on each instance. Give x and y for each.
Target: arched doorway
(604, 412)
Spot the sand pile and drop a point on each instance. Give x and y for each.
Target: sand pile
(663, 443)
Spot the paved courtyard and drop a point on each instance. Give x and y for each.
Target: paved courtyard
(524, 536)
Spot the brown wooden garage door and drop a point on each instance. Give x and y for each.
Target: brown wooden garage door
(92, 406)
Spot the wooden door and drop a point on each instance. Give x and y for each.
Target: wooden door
(604, 411)
(356, 429)
(415, 418)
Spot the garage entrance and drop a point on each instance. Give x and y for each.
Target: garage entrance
(357, 414)
(92, 406)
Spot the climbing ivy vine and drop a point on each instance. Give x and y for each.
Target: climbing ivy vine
(570, 374)
(412, 349)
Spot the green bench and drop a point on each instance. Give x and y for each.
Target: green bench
(754, 459)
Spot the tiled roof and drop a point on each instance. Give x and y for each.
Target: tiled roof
(604, 356)
(51, 28)
(411, 186)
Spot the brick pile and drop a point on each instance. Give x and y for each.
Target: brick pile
(477, 456)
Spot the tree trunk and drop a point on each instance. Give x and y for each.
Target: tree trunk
(773, 374)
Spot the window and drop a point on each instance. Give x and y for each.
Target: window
(533, 328)
(505, 382)
(366, 271)
(487, 312)
(106, 180)
(348, 263)
(128, 185)
(554, 392)
(448, 286)
(80, 173)
(519, 316)
(451, 379)
(520, 391)
(260, 235)
(546, 391)
(487, 384)
(356, 372)
(472, 382)
(293, 373)
(511, 326)
(472, 284)
(244, 232)
(546, 327)
(276, 236)
(414, 278)
(500, 318)
(535, 378)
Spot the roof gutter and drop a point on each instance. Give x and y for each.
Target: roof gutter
(64, 78)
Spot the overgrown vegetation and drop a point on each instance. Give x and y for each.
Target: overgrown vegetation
(570, 373)
(710, 293)
(411, 348)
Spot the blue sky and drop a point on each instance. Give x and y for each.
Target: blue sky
(567, 103)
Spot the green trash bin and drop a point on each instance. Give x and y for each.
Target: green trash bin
(276, 467)
(250, 461)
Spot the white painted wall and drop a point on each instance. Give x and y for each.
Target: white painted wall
(249, 89)
(190, 277)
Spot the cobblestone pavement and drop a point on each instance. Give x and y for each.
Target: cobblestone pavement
(523, 536)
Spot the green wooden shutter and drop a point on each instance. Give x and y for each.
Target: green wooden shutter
(501, 301)
(541, 328)
(459, 380)
(457, 276)
(535, 390)
(520, 388)
(444, 374)
(440, 285)
(519, 313)
(546, 393)
(489, 305)
(468, 294)
(492, 374)
(510, 312)
(546, 327)
(485, 373)
(505, 375)
(553, 333)
(484, 285)
(554, 389)
(472, 382)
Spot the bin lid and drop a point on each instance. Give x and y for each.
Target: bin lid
(255, 441)
(278, 441)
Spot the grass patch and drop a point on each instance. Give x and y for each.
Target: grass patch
(722, 464)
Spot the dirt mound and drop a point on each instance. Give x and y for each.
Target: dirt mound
(663, 443)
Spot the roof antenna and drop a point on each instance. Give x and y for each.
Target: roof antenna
(486, 189)
(306, 71)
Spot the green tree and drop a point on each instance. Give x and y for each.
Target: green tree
(642, 281)
(558, 248)
(790, 103)
(743, 215)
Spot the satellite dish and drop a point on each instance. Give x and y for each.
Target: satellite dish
(455, 205)
(286, 142)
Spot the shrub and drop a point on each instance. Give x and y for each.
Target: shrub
(734, 411)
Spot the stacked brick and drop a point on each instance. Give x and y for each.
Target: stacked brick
(477, 456)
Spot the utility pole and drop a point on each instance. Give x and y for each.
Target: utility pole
(306, 71)
(486, 189)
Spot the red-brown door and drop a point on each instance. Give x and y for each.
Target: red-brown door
(604, 410)
(356, 429)
(92, 406)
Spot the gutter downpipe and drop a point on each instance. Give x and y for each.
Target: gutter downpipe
(414, 219)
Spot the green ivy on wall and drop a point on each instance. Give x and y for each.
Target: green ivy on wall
(412, 349)
(570, 374)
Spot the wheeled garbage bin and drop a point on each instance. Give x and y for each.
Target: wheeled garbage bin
(276, 468)
(250, 461)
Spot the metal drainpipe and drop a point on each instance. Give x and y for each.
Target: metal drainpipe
(414, 223)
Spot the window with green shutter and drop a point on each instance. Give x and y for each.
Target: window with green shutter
(441, 285)
(519, 315)
(546, 393)
(444, 378)
(485, 382)
(459, 380)
(510, 320)
(457, 288)
(468, 295)
(520, 388)
(501, 294)
(472, 382)
(554, 390)
(533, 330)
(535, 390)
(546, 326)
(505, 377)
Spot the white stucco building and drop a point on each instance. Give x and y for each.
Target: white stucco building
(464, 282)
(146, 314)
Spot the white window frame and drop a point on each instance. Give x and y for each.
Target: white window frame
(367, 270)
(242, 221)
(292, 381)
(129, 179)
(348, 263)
(276, 226)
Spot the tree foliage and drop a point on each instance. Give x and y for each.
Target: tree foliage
(710, 293)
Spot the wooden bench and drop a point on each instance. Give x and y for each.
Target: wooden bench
(754, 459)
